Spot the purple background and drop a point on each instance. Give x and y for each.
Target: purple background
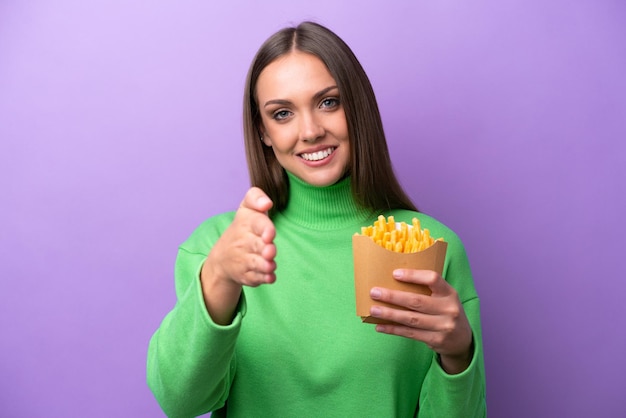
(120, 132)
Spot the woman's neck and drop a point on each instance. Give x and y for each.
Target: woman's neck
(330, 207)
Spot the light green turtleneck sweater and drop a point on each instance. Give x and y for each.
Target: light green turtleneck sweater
(296, 348)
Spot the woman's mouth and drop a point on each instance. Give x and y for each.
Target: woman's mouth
(317, 156)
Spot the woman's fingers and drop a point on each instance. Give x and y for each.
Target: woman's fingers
(429, 278)
(410, 300)
(245, 252)
(437, 319)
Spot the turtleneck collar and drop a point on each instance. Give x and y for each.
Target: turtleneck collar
(324, 208)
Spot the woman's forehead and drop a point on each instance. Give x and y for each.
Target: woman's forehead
(293, 74)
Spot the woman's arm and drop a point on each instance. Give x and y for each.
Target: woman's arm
(191, 358)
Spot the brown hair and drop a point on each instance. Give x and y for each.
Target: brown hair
(373, 183)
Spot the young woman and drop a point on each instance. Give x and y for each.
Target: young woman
(265, 322)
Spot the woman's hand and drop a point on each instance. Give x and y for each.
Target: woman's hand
(242, 256)
(437, 319)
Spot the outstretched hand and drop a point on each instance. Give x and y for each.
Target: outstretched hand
(242, 256)
(438, 319)
(245, 252)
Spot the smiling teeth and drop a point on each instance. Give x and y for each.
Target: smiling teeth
(316, 156)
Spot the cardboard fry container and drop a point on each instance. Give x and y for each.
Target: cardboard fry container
(374, 266)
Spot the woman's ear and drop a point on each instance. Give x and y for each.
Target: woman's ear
(263, 136)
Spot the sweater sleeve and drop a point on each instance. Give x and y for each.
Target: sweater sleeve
(463, 394)
(191, 360)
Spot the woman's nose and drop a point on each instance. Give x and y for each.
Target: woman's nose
(311, 128)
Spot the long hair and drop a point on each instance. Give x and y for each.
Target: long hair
(373, 183)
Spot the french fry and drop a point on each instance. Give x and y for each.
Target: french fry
(399, 236)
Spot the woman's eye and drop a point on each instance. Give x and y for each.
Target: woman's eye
(281, 114)
(330, 102)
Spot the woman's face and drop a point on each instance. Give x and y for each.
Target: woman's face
(302, 118)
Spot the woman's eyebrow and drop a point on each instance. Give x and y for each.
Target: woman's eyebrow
(280, 102)
(316, 96)
(323, 92)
